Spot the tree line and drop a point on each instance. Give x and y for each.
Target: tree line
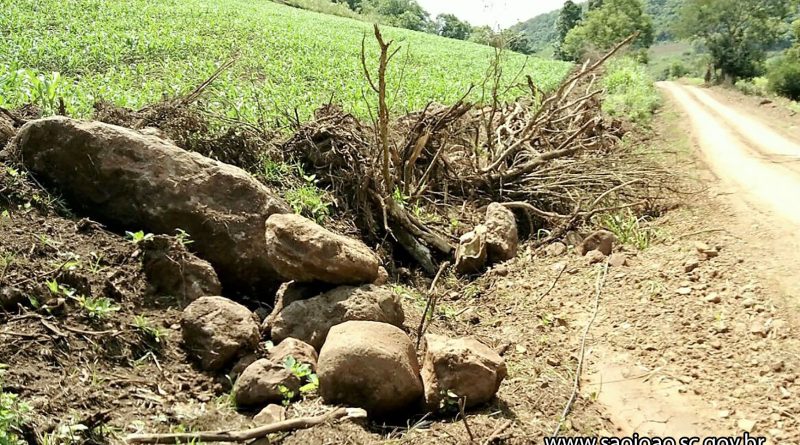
(410, 15)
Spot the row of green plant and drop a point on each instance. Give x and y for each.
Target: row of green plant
(133, 53)
(630, 91)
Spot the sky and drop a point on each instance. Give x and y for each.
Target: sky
(502, 13)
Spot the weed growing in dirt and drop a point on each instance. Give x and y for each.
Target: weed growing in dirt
(96, 264)
(135, 52)
(97, 308)
(629, 229)
(150, 332)
(138, 237)
(310, 201)
(449, 403)
(13, 414)
(276, 172)
(309, 380)
(183, 237)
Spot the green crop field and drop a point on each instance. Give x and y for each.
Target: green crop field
(134, 52)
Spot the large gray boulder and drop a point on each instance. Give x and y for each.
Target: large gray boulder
(303, 251)
(135, 182)
(310, 320)
(369, 365)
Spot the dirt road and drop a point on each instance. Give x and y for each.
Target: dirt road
(712, 350)
(760, 164)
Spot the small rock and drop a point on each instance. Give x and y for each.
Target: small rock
(463, 366)
(748, 303)
(11, 296)
(776, 433)
(705, 251)
(471, 254)
(617, 260)
(369, 365)
(778, 366)
(172, 270)
(216, 330)
(724, 414)
(292, 347)
(310, 320)
(691, 265)
(602, 240)
(271, 414)
(383, 277)
(746, 425)
(684, 290)
(261, 383)
(502, 239)
(302, 250)
(759, 329)
(595, 257)
(240, 365)
(287, 294)
(713, 297)
(555, 249)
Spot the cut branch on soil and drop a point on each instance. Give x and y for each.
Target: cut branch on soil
(250, 434)
(552, 156)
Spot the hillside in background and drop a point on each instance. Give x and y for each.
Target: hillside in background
(541, 30)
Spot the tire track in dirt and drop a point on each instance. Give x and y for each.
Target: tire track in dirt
(728, 141)
(760, 168)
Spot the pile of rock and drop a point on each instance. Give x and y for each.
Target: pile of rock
(366, 359)
(245, 240)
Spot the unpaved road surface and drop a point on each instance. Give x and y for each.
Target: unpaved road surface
(712, 349)
(760, 164)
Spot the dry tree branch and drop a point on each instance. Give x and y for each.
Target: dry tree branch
(250, 434)
(383, 109)
(430, 305)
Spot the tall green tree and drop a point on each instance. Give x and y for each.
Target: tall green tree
(401, 13)
(608, 25)
(569, 17)
(448, 25)
(735, 32)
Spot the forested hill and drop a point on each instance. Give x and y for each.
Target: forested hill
(541, 30)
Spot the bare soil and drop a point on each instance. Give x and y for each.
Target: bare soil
(714, 351)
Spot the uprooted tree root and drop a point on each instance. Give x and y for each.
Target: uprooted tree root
(552, 156)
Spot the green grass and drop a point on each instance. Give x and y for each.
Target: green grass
(630, 229)
(13, 414)
(135, 52)
(631, 92)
